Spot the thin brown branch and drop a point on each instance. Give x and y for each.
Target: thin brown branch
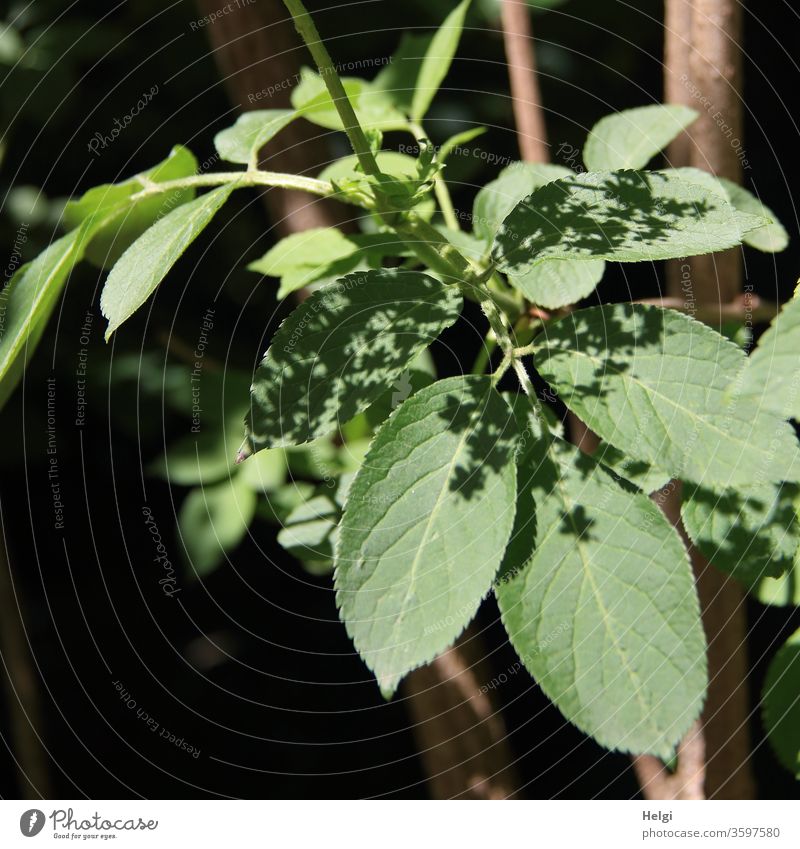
(715, 73)
(677, 56)
(747, 308)
(461, 736)
(525, 94)
(657, 782)
(709, 77)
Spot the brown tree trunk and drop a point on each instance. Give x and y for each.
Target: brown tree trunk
(257, 52)
(703, 69)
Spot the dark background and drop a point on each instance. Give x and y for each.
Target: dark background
(286, 709)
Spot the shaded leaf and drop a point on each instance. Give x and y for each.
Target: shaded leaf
(646, 477)
(343, 348)
(655, 384)
(425, 524)
(626, 216)
(771, 378)
(750, 533)
(598, 599)
(779, 592)
(497, 198)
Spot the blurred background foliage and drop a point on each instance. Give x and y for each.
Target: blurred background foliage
(248, 661)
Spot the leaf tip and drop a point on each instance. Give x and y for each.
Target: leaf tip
(388, 687)
(245, 451)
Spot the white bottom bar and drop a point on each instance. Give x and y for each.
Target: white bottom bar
(399, 824)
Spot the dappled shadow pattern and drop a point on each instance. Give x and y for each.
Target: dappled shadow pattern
(487, 432)
(624, 216)
(749, 535)
(341, 349)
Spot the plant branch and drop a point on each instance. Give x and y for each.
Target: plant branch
(525, 94)
(255, 48)
(686, 782)
(747, 307)
(714, 74)
(245, 178)
(439, 184)
(308, 32)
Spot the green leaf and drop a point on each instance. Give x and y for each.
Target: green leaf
(625, 216)
(454, 142)
(252, 130)
(781, 704)
(399, 165)
(341, 349)
(420, 373)
(646, 477)
(559, 282)
(497, 198)
(374, 108)
(303, 258)
(29, 298)
(655, 384)
(266, 471)
(631, 138)
(772, 238)
(317, 246)
(425, 525)
(213, 520)
(750, 533)
(770, 379)
(398, 78)
(598, 599)
(779, 592)
(148, 260)
(307, 532)
(469, 245)
(201, 458)
(124, 219)
(437, 60)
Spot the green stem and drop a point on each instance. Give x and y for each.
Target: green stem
(426, 242)
(501, 370)
(308, 32)
(524, 380)
(524, 351)
(245, 178)
(439, 184)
